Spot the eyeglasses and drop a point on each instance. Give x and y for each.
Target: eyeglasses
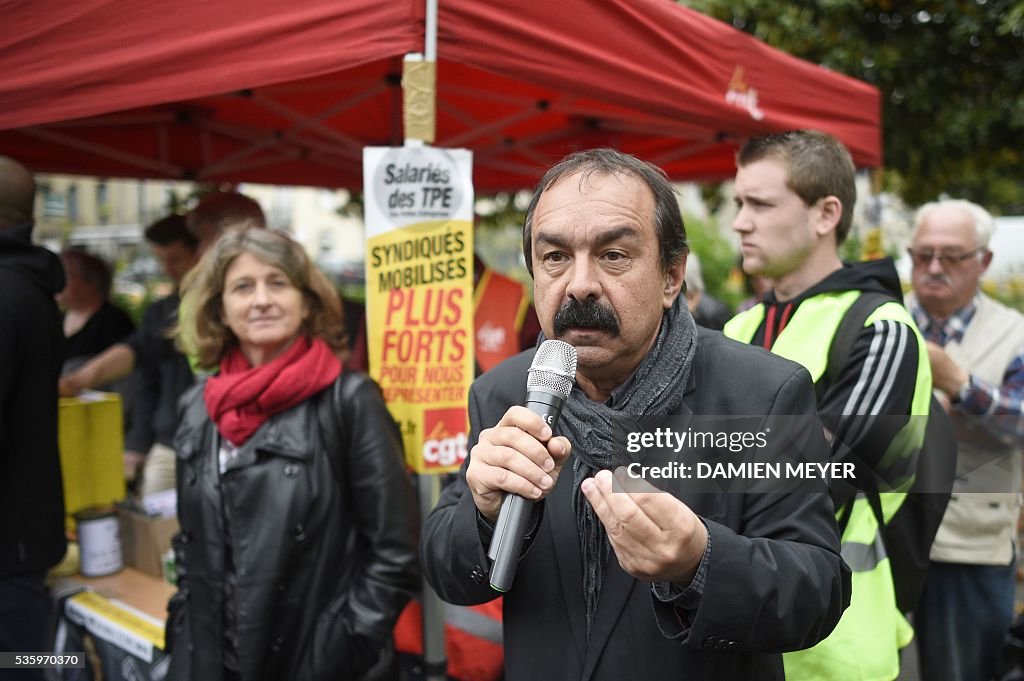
(924, 258)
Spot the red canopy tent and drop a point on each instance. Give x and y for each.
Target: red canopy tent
(288, 92)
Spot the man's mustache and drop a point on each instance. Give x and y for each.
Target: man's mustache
(940, 278)
(586, 315)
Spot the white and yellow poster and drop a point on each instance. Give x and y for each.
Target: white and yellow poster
(419, 295)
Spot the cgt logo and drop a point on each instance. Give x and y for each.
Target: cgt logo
(490, 338)
(445, 443)
(743, 95)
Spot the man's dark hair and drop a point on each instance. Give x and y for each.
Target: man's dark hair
(219, 210)
(817, 165)
(93, 271)
(169, 230)
(668, 221)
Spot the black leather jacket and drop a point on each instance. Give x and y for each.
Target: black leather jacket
(322, 535)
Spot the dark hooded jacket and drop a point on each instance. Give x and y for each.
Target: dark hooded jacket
(871, 353)
(31, 352)
(874, 275)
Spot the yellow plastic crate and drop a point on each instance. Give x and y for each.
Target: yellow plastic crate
(91, 438)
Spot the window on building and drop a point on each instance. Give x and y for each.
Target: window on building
(53, 203)
(102, 202)
(72, 203)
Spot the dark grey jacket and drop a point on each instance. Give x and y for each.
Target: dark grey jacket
(163, 375)
(322, 533)
(775, 581)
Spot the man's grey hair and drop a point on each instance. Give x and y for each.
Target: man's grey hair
(981, 219)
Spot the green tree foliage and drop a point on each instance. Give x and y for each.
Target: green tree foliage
(717, 258)
(951, 73)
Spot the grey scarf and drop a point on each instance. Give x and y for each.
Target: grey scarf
(656, 389)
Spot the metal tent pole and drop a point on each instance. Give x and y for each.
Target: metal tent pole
(435, 662)
(429, 486)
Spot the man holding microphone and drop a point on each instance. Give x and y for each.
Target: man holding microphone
(632, 585)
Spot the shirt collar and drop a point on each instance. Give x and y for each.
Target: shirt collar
(944, 331)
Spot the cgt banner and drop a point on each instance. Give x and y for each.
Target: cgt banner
(418, 204)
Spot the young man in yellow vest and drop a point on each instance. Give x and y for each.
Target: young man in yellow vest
(795, 193)
(976, 348)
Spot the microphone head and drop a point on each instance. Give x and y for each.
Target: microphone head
(553, 369)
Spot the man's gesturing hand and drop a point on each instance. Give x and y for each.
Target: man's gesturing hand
(655, 536)
(519, 456)
(946, 375)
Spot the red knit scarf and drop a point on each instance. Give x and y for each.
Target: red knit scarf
(240, 398)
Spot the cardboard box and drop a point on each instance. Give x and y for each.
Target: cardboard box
(145, 539)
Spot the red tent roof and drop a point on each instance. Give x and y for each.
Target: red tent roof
(289, 91)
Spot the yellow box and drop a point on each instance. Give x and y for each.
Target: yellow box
(91, 438)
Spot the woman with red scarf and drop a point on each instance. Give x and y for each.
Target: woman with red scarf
(297, 546)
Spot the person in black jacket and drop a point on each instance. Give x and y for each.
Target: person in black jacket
(31, 352)
(297, 547)
(91, 322)
(632, 585)
(707, 311)
(162, 372)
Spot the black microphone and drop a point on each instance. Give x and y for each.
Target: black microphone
(548, 385)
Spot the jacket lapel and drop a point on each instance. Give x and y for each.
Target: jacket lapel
(566, 549)
(618, 586)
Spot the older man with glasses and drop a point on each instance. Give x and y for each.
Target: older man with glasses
(976, 348)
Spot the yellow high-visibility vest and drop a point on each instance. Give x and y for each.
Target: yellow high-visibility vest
(865, 644)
